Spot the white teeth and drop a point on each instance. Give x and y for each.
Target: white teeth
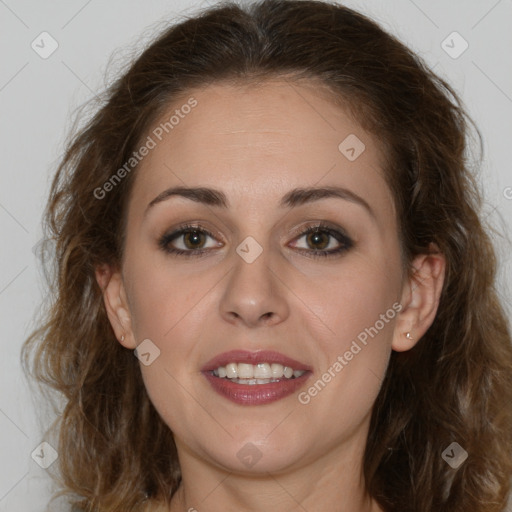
(277, 370)
(262, 373)
(231, 370)
(245, 371)
(252, 382)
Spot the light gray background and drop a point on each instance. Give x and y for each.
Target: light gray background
(38, 97)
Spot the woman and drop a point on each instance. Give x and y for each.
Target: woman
(272, 211)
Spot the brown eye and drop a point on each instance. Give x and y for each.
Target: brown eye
(319, 238)
(193, 239)
(186, 240)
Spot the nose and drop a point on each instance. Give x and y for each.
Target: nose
(254, 294)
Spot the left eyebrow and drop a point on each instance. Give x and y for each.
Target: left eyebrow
(293, 198)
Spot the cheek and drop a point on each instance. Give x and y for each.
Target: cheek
(166, 308)
(353, 362)
(360, 306)
(160, 297)
(352, 299)
(359, 311)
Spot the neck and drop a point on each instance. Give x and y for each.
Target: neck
(333, 482)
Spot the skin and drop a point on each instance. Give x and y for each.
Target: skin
(256, 143)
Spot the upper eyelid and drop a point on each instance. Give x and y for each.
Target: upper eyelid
(320, 225)
(297, 232)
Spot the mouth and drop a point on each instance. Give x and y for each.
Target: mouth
(255, 378)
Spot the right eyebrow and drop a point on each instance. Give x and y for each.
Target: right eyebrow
(293, 198)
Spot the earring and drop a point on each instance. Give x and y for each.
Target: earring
(409, 337)
(122, 337)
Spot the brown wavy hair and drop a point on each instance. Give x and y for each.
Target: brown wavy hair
(455, 385)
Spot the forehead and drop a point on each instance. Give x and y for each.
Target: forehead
(259, 140)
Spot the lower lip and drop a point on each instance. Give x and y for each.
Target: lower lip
(255, 394)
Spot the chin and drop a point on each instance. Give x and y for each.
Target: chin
(258, 452)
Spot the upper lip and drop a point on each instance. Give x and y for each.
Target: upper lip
(259, 356)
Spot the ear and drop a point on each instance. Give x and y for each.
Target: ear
(420, 299)
(116, 304)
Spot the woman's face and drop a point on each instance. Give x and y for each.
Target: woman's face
(262, 283)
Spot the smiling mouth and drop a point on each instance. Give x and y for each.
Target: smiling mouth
(256, 391)
(261, 373)
(255, 378)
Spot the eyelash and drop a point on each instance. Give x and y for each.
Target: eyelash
(321, 227)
